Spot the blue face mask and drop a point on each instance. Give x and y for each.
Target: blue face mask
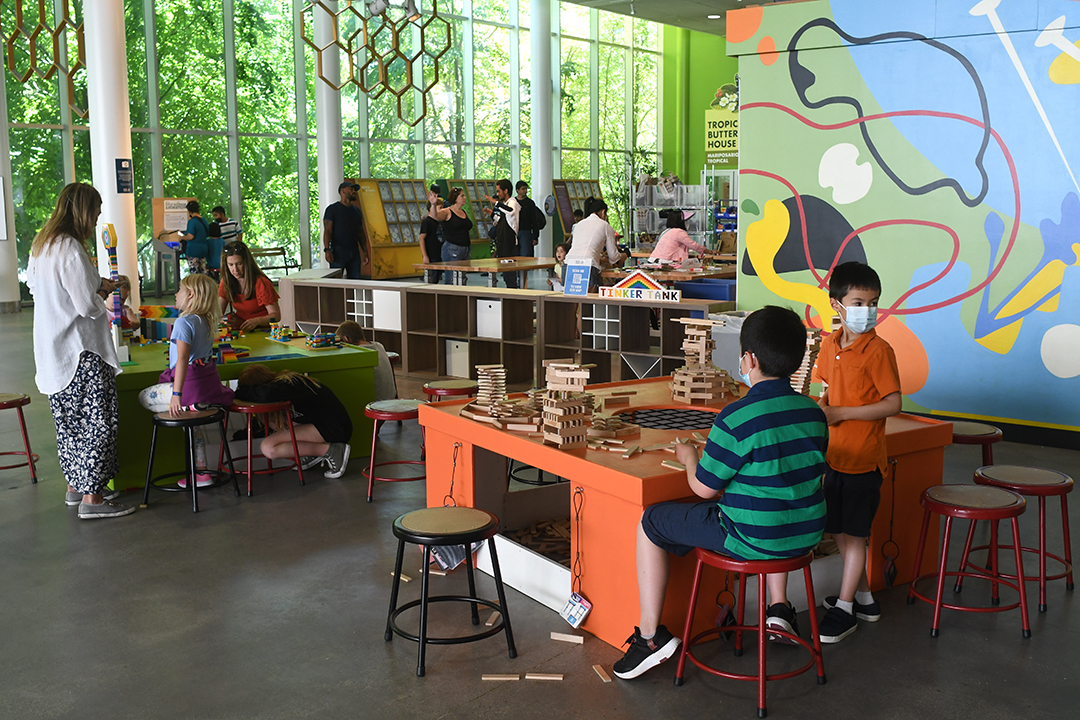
(860, 318)
(745, 377)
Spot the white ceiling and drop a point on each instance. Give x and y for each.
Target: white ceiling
(692, 14)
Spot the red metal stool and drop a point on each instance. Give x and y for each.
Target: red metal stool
(250, 410)
(381, 411)
(973, 433)
(1032, 482)
(760, 568)
(438, 389)
(971, 502)
(16, 401)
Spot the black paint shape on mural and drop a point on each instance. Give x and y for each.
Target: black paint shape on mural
(826, 229)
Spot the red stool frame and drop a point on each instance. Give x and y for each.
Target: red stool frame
(761, 568)
(973, 433)
(1031, 482)
(982, 503)
(250, 410)
(16, 401)
(438, 389)
(390, 410)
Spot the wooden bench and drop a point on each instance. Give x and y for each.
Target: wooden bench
(277, 256)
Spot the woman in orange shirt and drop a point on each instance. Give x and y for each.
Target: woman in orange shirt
(247, 289)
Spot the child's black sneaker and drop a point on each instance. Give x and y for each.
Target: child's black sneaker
(645, 654)
(837, 625)
(869, 613)
(781, 617)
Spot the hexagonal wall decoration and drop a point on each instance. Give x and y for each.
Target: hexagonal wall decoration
(31, 32)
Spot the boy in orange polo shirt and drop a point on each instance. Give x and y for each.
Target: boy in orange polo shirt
(862, 388)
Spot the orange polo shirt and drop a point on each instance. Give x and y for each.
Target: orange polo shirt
(861, 374)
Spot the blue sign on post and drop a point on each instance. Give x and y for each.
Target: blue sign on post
(125, 176)
(577, 276)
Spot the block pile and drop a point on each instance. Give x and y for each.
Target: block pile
(321, 341)
(491, 405)
(699, 382)
(800, 379)
(566, 408)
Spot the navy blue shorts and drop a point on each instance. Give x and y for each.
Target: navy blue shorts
(680, 527)
(851, 502)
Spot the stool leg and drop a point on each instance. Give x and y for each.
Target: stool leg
(250, 457)
(918, 557)
(228, 455)
(689, 622)
(1020, 577)
(994, 598)
(964, 558)
(808, 580)
(224, 440)
(394, 590)
(1068, 542)
(1042, 553)
(761, 711)
(423, 611)
(266, 431)
(149, 468)
(941, 576)
(502, 599)
(295, 450)
(741, 616)
(26, 444)
(371, 461)
(472, 584)
(189, 438)
(988, 454)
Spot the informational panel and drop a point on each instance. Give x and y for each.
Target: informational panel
(577, 276)
(570, 195)
(170, 214)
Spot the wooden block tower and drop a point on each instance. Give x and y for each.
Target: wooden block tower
(565, 408)
(800, 379)
(699, 382)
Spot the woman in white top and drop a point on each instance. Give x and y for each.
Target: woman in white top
(74, 352)
(591, 237)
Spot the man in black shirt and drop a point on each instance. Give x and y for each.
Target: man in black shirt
(345, 242)
(431, 244)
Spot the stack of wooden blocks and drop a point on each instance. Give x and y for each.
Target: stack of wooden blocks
(492, 385)
(699, 382)
(612, 426)
(565, 408)
(800, 379)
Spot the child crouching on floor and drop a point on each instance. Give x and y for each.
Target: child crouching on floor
(351, 333)
(766, 454)
(321, 423)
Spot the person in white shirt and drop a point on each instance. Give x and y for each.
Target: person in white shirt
(505, 216)
(591, 237)
(74, 352)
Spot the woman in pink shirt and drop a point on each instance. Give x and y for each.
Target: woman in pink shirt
(674, 243)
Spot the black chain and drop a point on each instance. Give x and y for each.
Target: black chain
(579, 502)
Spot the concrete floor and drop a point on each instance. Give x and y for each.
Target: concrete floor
(274, 607)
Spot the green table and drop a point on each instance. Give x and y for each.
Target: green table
(348, 371)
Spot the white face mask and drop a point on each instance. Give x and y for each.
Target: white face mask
(860, 318)
(745, 377)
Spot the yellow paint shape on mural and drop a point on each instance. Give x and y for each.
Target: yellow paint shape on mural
(1002, 339)
(763, 240)
(1050, 305)
(1065, 70)
(1076, 252)
(1046, 280)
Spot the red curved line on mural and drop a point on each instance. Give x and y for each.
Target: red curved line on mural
(921, 113)
(802, 216)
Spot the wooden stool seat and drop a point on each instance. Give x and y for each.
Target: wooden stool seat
(1032, 482)
(251, 410)
(444, 388)
(16, 401)
(188, 420)
(390, 410)
(971, 502)
(437, 527)
(975, 433)
(761, 568)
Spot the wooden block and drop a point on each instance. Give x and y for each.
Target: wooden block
(404, 577)
(433, 571)
(564, 637)
(698, 436)
(602, 673)
(625, 392)
(616, 401)
(628, 430)
(536, 434)
(514, 427)
(661, 446)
(493, 618)
(499, 678)
(543, 676)
(634, 449)
(673, 465)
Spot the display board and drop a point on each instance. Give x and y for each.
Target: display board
(570, 195)
(393, 209)
(169, 214)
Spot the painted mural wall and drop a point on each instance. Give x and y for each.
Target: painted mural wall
(937, 141)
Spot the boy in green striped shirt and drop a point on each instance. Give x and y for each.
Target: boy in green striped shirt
(766, 454)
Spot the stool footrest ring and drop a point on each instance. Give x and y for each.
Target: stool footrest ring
(966, 608)
(223, 478)
(702, 636)
(495, 629)
(365, 472)
(982, 572)
(19, 465)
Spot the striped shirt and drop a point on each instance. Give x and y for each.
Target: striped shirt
(229, 230)
(766, 453)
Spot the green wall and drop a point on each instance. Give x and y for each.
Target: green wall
(695, 65)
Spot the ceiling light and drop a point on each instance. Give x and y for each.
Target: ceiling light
(713, 17)
(411, 13)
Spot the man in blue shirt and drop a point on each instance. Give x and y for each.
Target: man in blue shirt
(345, 242)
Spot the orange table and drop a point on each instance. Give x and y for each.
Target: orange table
(616, 491)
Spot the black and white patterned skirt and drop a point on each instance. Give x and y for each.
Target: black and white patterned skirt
(87, 415)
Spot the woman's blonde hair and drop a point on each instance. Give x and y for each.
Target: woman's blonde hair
(262, 375)
(204, 299)
(75, 215)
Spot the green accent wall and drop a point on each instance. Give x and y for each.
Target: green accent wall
(695, 65)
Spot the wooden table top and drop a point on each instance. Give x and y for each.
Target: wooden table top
(723, 272)
(490, 264)
(715, 256)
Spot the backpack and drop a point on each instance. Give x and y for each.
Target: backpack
(541, 218)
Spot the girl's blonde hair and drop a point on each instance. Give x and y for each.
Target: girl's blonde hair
(262, 375)
(204, 299)
(75, 215)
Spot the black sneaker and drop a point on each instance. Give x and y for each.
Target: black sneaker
(869, 613)
(837, 625)
(645, 654)
(781, 617)
(337, 460)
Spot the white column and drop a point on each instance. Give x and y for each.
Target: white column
(331, 161)
(110, 130)
(543, 99)
(9, 256)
